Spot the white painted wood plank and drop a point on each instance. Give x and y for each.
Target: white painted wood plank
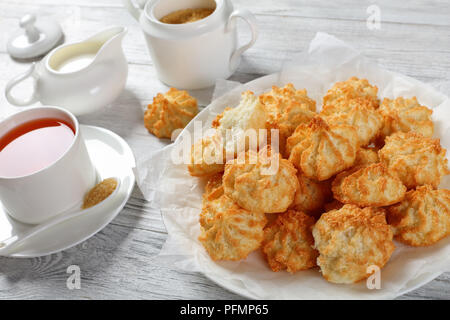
(416, 11)
(418, 50)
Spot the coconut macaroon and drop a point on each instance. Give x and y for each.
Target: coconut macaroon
(406, 115)
(350, 240)
(289, 92)
(213, 191)
(234, 123)
(311, 194)
(288, 242)
(213, 187)
(170, 111)
(422, 218)
(262, 182)
(356, 112)
(368, 186)
(414, 159)
(228, 232)
(342, 92)
(208, 156)
(321, 150)
(287, 108)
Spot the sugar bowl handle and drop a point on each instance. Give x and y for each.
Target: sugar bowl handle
(248, 17)
(133, 9)
(16, 80)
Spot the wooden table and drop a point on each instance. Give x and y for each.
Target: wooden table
(118, 262)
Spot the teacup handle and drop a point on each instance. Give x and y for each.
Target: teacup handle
(16, 80)
(248, 17)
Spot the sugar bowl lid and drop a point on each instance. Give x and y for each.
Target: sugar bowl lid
(35, 38)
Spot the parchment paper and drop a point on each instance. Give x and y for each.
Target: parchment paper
(178, 195)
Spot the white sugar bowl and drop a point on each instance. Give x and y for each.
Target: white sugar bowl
(193, 55)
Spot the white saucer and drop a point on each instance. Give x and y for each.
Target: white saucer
(112, 157)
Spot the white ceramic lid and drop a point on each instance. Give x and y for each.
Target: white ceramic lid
(35, 38)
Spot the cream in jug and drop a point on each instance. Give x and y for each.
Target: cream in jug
(77, 59)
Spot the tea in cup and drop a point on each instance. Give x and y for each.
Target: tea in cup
(45, 168)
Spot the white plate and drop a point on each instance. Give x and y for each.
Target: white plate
(249, 277)
(240, 289)
(179, 195)
(112, 157)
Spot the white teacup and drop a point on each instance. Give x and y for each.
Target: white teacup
(36, 197)
(193, 55)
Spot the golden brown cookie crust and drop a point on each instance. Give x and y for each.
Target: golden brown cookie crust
(321, 150)
(208, 156)
(353, 88)
(286, 108)
(414, 159)
(288, 242)
(350, 240)
(366, 156)
(406, 115)
(254, 187)
(368, 186)
(422, 218)
(359, 113)
(229, 232)
(311, 195)
(170, 111)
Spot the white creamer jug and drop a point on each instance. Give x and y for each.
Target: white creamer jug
(81, 77)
